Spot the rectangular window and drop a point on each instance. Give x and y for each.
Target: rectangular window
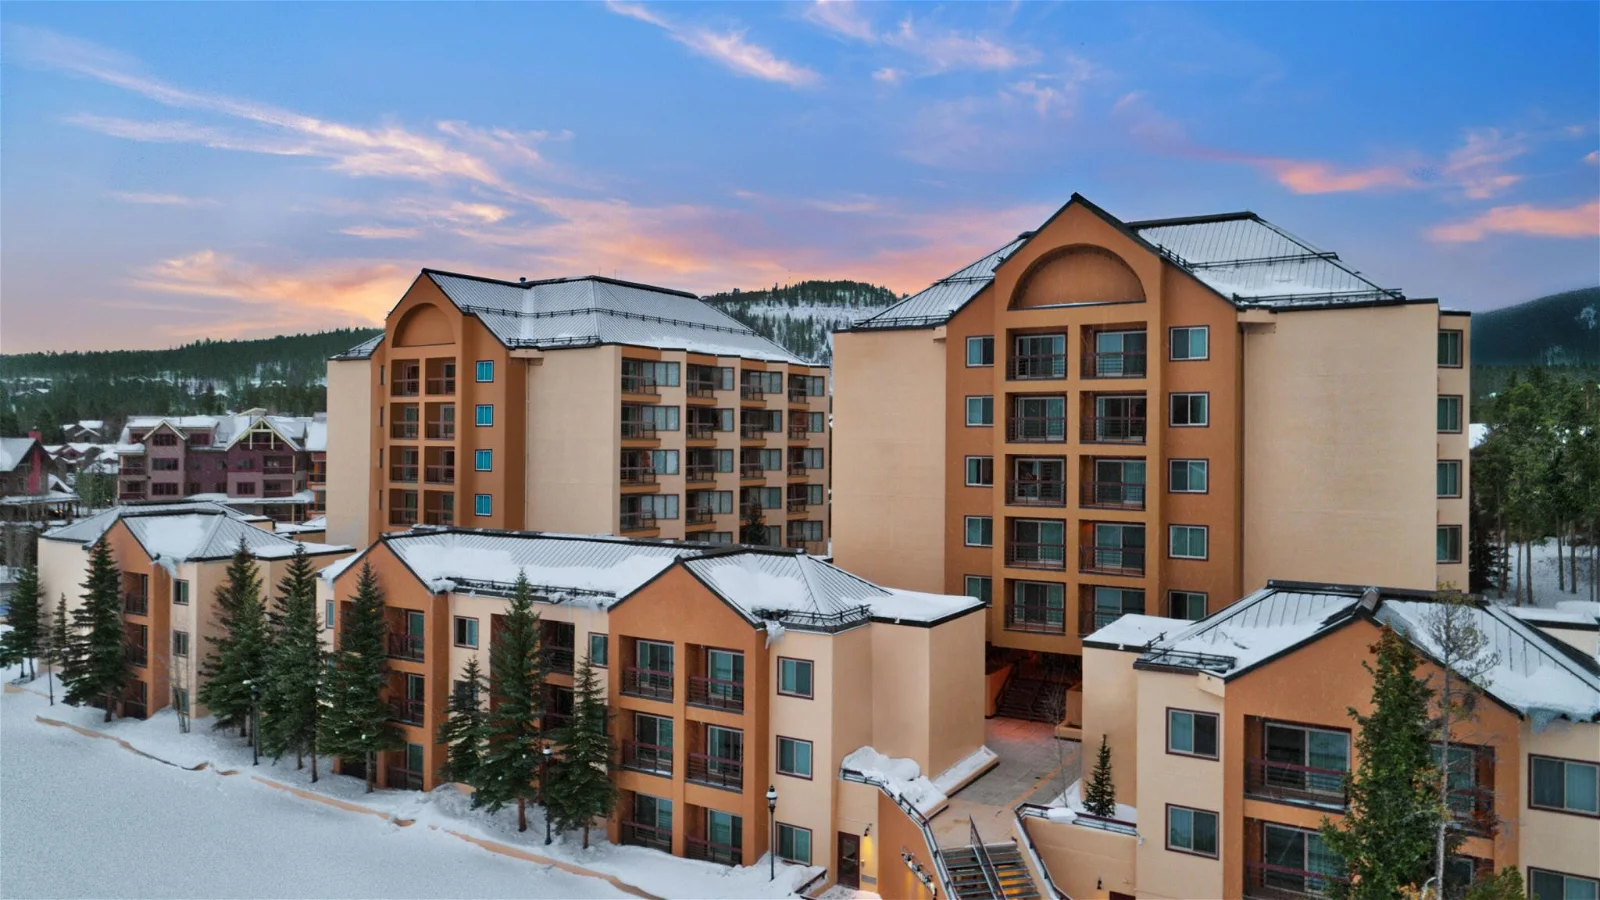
(1190, 342)
(1305, 764)
(1450, 414)
(980, 411)
(794, 677)
(1186, 541)
(1564, 785)
(980, 351)
(484, 414)
(664, 373)
(771, 460)
(665, 506)
(1301, 864)
(815, 422)
(814, 496)
(794, 757)
(1449, 480)
(1111, 604)
(794, 844)
(980, 471)
(980, 531)
(180, 643)
(664, 462)
(770, 498)
(485, 371)
(1191, 831)
(483, 460)
(599, 649)
(664, 417)
(1191, 410)
(1189, 605)
(327, 615)
(482, 505)
(724, 460)
(1546, 885)
(466, 632)
(1187, 476)
(813, 458)
(1450, 349)
(1039, 606)
(1447, 544)
(1192, 733)
(180, 593)
(981, 587)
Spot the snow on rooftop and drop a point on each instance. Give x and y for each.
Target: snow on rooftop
(1136, 630)
(901, 777)
(13, 450)
(1565, 612)
(1477, 433)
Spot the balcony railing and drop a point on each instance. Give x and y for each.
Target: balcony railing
(1112, 560)
(1113, 494)
(697, 515)
(438, 386)
(439, 474)
(701, 431)
(651, 684)
(797, 468)
(138, 655)
(752, 392)
(1091, 619)
(136, 603)
(131, 495)
(700, 390)
(442, 430)
(700, 474)
(710, 851)
(1287, 782)
(128, 468)
(798, 434)
(277, 492)
(403, 431)
(403, 474)
(751, 470)
(1036, 429)
(639, 431)
(439, 516)
(639, 384)
(638, 475)
(1114, 365)
(716, 771)
(798, 504)
(643, 757)
(404, 779)
(407, 711)
(133, 709)
(1113, 430)
(1033, 555)
(279, 469)
(810, 548)
(405, 387)
(637, 520)
(753, 431)
(1265, 881)
(405, 515)
(406, 646)
(749, 509)
(1473, 809)
(641, 835)
(1036, 617)
(561, 659)
(1037, 493)
(1037, 367)
(715, 693)
(799, 396)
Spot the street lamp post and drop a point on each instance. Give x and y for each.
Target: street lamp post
(255, 723)
(544, 789)
(772, 821)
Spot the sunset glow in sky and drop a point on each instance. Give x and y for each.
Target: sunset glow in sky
(176, 171)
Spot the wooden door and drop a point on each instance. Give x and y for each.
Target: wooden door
(849, 860)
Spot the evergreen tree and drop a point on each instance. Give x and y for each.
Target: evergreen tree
(1100, 798)
(463, 730)
(294, 668)
(355, 717)
(1503, 885)
(58, 644)
(514, 749)
(755, 528)
(237, 663)
(580, 788)
(96, 667)
(1386, 837)
(21, 644)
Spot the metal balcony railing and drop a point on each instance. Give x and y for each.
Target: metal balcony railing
(439, 474)
(405, 387)
(1112, 560)
(637, 519)
(442, 430)
(405, 515)
(753, 431)
(751, 470)
(1114, 365)
(561, 659)
(1036, 429)
(716, 771)
(406, 646)
(1033, 555)
(641, 757)
(642, 835)
(798, 434)
(798, 504)
(439, 516)
(752, 392)
(138, 655)
(701, 431)
(810, 548)
(403, 474)
(799, 396)
(700, 474)
(639, 384)
(697, 515)
(637, 475)
(1037, 493)
(403, 431)
(711, 851)
(1265, 881)
(639, 431)
(716, 693)
(701, 390)
(1113, 430)
(408, 711)
(136, 603)
(1035, 617)
(652, 684)
(797, 468)
(1091, 619)
(1113, 494)
(1037, 367)
(1291, 783)
(442, 385)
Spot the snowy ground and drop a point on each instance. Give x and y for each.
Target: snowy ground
(85, 817)
(1546, 590)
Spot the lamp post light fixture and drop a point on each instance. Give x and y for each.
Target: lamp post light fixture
(544, 790)
(772, 820)
(255, 722)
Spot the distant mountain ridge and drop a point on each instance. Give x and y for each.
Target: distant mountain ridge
(1559, 329)
(802, 316)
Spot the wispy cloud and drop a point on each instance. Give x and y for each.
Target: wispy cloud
(1477, 165)
(729, 49)
(1055, 94)
(944, 51)
(1308, 176)
(1581, 221)
(1593, 158)
(380, 232)
(842, 17)
(161, 199)
(888, 75)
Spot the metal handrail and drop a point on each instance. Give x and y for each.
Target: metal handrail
(985, 864)
(1036, 811)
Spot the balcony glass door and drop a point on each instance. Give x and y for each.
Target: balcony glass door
(726, 672)
(724, 751)
(1119, 354)
(1119, 482)
(1042, 356)
(1307, 759)
(1119, 418)
(1040, 542)
(724, 829)
(1041, 418)
(655, 664)
(1297, 861)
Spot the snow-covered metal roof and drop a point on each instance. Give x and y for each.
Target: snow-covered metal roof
(935, 304)
(225, 430)
(179, 532)
(362, 350)
(13, 450)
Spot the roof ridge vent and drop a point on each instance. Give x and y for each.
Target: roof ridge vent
(1369, 600)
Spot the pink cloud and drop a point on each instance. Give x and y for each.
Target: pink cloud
(1582, 221)
(1314, 177)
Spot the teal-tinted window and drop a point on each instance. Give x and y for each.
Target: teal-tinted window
(485, 370)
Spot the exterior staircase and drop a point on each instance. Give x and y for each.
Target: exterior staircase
(1033, 699)
(982, 871)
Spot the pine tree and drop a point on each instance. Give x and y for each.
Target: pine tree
(236, 666)
(1100, 798)
(580, 788)
(355, 717)
(96, 667)
(27, 623)
(463, 730)
(294, 668)
(58, 645)
(1386, 837)
(516, 690)
(755, 528)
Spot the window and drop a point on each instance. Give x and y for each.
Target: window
(653, 812)
(171, 489)
(485, 370)
(180, 593)
(1189, 605)
(769, 497)
(664, 506)
(980, 471)
(1191, 733)
(794, 757)
(180, 643)
(794, 677)
(1038, 419)
(980, 531)
(771, 460)
(1191, 831)
(1450, 414)
(466, 632)
(484, 414)
(981, 587)
(599, 649)
(1039, 356)
(815, 422)
(482, 505)
(1038, 543)
(813, 459)
(1039, 606)
(1300, 863)
(980, 351)
(327, 615)
(794, 844)
(1546, 885)
(1305, 764)
(1564, 785)
(1187, 476)
(663, 373)
(1190, 342)
(1186, 541)
(1190, 410)
(1111, 604)
(1450, 349)
(1447, 543)
(813, 495)
(169, 464)
(483, 460)
(664, 462)
(980, 411)
(664, 417)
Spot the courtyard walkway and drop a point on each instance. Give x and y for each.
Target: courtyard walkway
(1034, 767)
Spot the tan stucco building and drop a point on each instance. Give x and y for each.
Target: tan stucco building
(585, 405)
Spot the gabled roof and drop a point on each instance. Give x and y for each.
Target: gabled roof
(178, 536)
(362, 350)
(225, 430)
(89, 530)
(937, 303)
(14, 451)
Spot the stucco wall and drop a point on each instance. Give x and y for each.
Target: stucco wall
(574, 441)
(1087, 862)
(1457, 510)
(351, 431)
(1183, 781)
(957, 696)
(1110, 709)
(1555, 841)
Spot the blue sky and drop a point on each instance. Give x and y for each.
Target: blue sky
(176, 171)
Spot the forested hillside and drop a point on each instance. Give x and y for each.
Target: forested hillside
(802, 316)
(1561, 329)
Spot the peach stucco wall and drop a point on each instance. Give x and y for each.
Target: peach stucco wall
(1184, 781)
(351, 465)
(1555, 841)
(573, 440)
(1086, 862)
(1110, 710)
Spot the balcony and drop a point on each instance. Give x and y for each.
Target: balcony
(274, 493)
(651, 684)
(751, 471)
(1113, 430)
(701, 390)
(406, 387)
(1037, 367)
(637, 475)
(439, 474)
(799, 396)
(797, 468)
(136, 603)
(1473, 810)
(700, 474)
(710, 851)
(1113, 495)
(638, 431)
(138, 655)
(442, 385)
(403, 431)
(128, 468)
(562, 660)
(442, 430)
(798, 434)
(406, 646)
(404, 779)
(1112, 561)
(810, 548)
(439, 515)
(1037, 493)
(278, 469)
(798, 505)
(715, 693)
(1265, 881)
(127, 496)
(637, 520)
(752, 392)
(753, 431)
(749, 509)
(403, 474)
(716, 771)
(1114, 365)
(408, 712)
(1036, 429)
(1039, 618)
(701, 431)
(697, 515)
(1291, 783)
(642, 757)
(1030, 555)
(641, 835)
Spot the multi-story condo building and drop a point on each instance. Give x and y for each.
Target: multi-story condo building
(582, 404)
(172, 558)
(728, 670)
(258, 463)
(1107, 417)
(1231, 738)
